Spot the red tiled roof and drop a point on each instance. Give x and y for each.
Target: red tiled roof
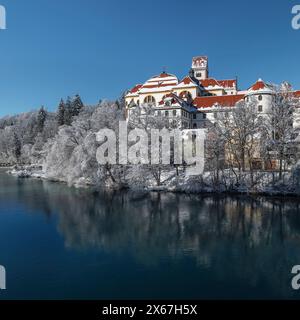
(225, 101)
(297, 93)
(187, 80)
(258, 85)
(136, 88)
(227, 83)
(150, 86)
(220, 83)
(209, 82)
(164, 75)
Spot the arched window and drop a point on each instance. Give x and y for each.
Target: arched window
(260, 97)
(150, 100)
(185, 95)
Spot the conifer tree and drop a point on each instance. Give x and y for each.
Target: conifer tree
(61, 113)
(77, 105)
(41, 119)
(68, 114)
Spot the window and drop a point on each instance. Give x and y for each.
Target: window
(138, 102)
(166, 113)
(186, 95)
(150, 100)
(195, 126)
(204, 115)
(199, 75)
(194, 116)
(215, 115)
(159, 112)
(260, 97)
(174, 113)
(260, 108)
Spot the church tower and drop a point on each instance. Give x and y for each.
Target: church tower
(200, 67)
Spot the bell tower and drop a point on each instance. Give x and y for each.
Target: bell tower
(200, 67)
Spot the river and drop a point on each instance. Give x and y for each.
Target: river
(58, 242)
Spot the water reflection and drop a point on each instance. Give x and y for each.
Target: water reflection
(239, 239)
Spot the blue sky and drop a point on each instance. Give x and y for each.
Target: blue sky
(55, 48)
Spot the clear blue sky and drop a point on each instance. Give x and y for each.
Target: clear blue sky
(55, 48)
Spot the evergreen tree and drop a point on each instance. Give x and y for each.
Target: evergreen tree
(77, 105)
(61, 113)
(68, 114)
(41, 119)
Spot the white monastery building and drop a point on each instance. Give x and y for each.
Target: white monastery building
(196, 98)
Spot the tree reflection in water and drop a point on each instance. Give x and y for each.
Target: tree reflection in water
(243, 237)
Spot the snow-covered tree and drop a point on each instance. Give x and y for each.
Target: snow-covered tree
(41, 119)
(61, 113)
(279, 133)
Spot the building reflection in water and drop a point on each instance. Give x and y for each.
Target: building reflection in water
(249, 238)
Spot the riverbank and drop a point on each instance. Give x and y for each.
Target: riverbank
(260, 183)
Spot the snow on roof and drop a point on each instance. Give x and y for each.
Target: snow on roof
(297, 94)
(187, 82)
(211, 83)
(210, 101)
(162, 82)
(230, 83)
(260, 87)
(136, 88)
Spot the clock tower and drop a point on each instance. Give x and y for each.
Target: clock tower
(200, 67)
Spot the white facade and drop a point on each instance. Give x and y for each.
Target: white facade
(196, 99)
